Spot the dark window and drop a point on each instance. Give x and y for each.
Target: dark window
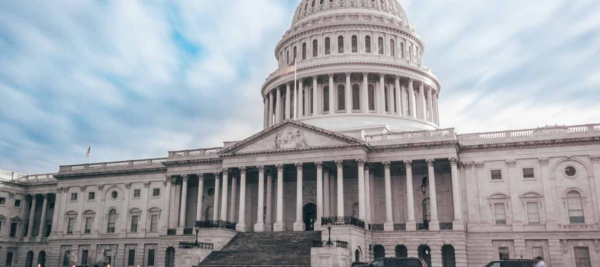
(112, 221)
(17, 203)
(154, 224)
(304, 51)
(379, 252)
(381, 45)
(134, 223)
(13, 229)
(315, 48)
(91, 196)
(73, 196)
(341, 93)
(354, 44)
(151, 257)
(496, 174)
(401, 251)
(402, 50)
(327, 46)
(156, 192)
(326, 98)
(70, 224)
(582, 257)
(88, 225)
(392, 48)
(371, 97)
(2, 201)
(355, 97)
(66, 258)
(500, 213)
(114, 194)
(368, 44)
(528, 173)
(503, 253)
(137, 193)
(341, 44)
(295, 53)
(131, 258)
(9, 259)
(575, 207)
(84, 258)
(570, 171)
(386, 99)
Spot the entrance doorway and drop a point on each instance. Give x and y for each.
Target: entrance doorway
(42, 259)
(425, 254)
(170, 257)
(448, 256)
(310, 216)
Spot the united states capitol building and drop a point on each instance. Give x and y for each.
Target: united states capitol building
(352, 143)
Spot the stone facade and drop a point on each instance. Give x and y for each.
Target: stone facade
(376, 168)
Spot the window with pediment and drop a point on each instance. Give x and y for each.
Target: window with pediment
(532, 202)
(111, 225)
(575, 207)
(499, 204)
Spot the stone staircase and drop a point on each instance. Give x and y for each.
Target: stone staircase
(265, 249)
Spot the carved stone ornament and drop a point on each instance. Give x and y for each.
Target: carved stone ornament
(299, 166)
(360, 162)
(339, 163)
(544, 161)
(386, 164)
(565, 246)
(595, 159)
(511, 163)
(261, 168)
(127, 185)
(453, 161)
(408, 163)
(83, 187)
(290, 138)
(279, 167)
(319, 164)
(243, 169)
(479, 165)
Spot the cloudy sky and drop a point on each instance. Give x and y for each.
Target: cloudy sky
(139, 78)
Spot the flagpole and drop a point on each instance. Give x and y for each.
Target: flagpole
(295, 89)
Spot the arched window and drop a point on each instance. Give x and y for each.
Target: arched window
(386, 99)
(341, 97)
(326, 98)
(426, 209)
(311, 106)
(402, 50)
(313, 3)
(42, 259)
(341, 44)
(315, 48)
(392, 48)
(448, 256)
(287, 60)
(401, 251)
(327, 46)
(170, 257)
(356, 97)
(575, 206)
(208, 214)
(295, 53)
(380, 41)
(357, 255)
(378, 252)
(371, 97)
(29, 259)
(355, 209)
(66, 258)
(368, 44)
(112, 221)
(354, 44)
(304, 51)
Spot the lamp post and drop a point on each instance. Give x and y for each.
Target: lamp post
(329, 243)
(197, 229)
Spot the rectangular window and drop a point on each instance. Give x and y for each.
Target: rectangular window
(66, 258)
(496, 174)
(153, 223)
(131, 258)
(108, 256)
(582, 257)
(2, 201)
(84, 257)
(503, 253)
(13, 229)
(73, 196)
(533, 212)
(70, 223)
(88, 225)
(151, 257)
(134, 223)
(528, 173)
(9, 259)
(17, 203)
(91, 195)
(137, 193)
(500, 213)
(156, 192)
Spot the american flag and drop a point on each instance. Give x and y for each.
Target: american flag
(89, 152)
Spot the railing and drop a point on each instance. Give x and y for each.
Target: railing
(422, 226)
(188, 231)
(194, 152)
(113, 165)
(399, 227)
(443, 133)
(188, 245)
(544, 131)
(216, 224)
(376, 227)
(171, 231)
(322, 244)
(347, 220)
(446, 226)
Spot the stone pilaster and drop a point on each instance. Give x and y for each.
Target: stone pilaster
(340, 188)
(299, 224)
(217, 195)
(241, 224)
(183, 208)
(200, 197)
(411, 223)
(458, 224)
(31, 216)
(224, 194)
(260, 223)
(389, 215)
(434, 224)
(319, 166)
(279, 223)
(361, 189)
(513, 183)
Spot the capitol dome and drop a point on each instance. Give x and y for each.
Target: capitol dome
(351, 66)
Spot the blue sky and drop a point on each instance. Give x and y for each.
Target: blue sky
(139, 78)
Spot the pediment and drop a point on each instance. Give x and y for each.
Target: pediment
(290, 136)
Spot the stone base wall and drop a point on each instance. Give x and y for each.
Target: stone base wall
(329, 257)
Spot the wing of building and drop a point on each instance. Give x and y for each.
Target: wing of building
(352, 144)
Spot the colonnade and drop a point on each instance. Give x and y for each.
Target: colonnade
(263, 223)
(31, 221)
(367, 93)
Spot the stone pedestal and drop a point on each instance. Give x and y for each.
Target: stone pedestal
(388, 227)
(260, 227)
(241, 227)
(411, 226)
(279, 227)
(458, 226)
(299, 227)
(434, 226)
(329, 257)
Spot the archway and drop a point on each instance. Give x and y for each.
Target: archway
(29, 259)
(401, 251)
(310, 216)
(42, 259)
(425, 254)
(170, 257)
(357, 255)
(378, 252)
(448, 256)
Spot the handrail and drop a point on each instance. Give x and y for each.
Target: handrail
(543, 131)
(448, 133)
(114, 164)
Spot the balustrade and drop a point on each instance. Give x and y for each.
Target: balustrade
(188, 245)
(216, 224)
(345, 220)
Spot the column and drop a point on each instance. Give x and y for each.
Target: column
(456, 197)
(241, 224)
(183, 200)
(279, 223)
(484, 208)
(389, 215)
(437, 110)
(217, 194)
(398, 96)
(348, 93)
(224, 194)
(331, 94)
(411, 224)
(200, 197)
(300, 98)
(315, 102)
(278, 114)
(233, 197)
(299, 224)
(340, 187)
(31, 216)
(430, 104)
(319, 166)
(57, 208)
(411, 99)
(295, 106)
(549, 194)
(513, 178)
(434, 224)
(288, 93)
(270, 111)
(265, 112)
(421, 105)
(260, 210)
(392, 93)
(364, 107)
(368, 194)
(63, 204)
(269, 217)
(326, 197)
(361, 189)
(43, 218)
(380, 96)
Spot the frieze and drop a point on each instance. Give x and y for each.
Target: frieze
(290, 138)
(517, 145)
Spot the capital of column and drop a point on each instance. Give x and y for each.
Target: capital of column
(45, 195)
(595, 159)
(544, 161)
(100, 187)
(408, 163)
(261, 168)
(146, 185)
(82, 188)
(453, 161)
(386, 164)
(430, 162)
(66, 188)
(511, 163)
(315, 77)
(200, 175)
(217, 174)
(299, 166)
(330, 75)
(479, 165)
(365, 74)
(242, 169)
(279, 167)
(168, 179)
(467, 165)
(339, 163)
(225, 170)
(127, 186)
(58, 190)
(348, 73)
(398, 77)
(319, 164)
(184, 177)
(360, 162)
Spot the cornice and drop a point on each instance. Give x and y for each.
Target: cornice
(453, 143)
(191, 162)
(531, 144)
(295, 150)
(109, 173)
(26, 185)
